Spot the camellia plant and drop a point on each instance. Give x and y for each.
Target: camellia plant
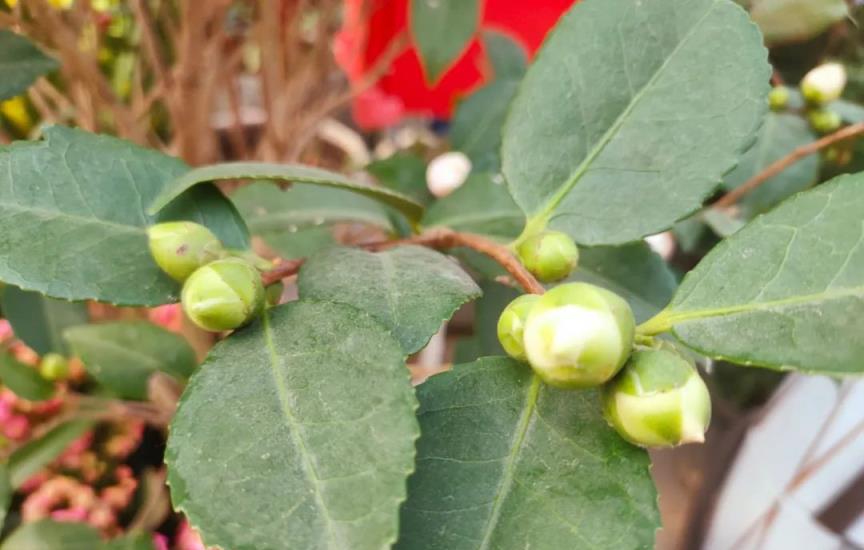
(301, 428)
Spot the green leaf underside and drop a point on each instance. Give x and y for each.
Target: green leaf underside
(21, 63)
(479, 206)
(47, 534)
(795, 20)
(268, 209)
(39, 321)
(38, 453)
(786, 291)
(283, 172)
(23, 380)
(779, 136)
(297, 432)
(477, 123)
(441, 30)
(410, 290)
(72, 219)
(122, 356)
(507, 462)
(632, 150)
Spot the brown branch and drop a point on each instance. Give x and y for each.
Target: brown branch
(775, 168)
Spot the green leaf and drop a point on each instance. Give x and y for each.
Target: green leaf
(850, 112)
(477, 123)
(133, 541)
(507, 56)
(299, 244)
(6, 492)
(779, 136)
(297, 432)
(631, 113)
(410, 290)
(487, 310)
(122, 356)
(441, 30)
(47, 534)
(404, 172)
(796, 20)
(507, 462)
(72, 220)
(23, 380)
(786, 291)
(38, 453)
(21, 63)
(39, 321)
(479, 206)
(285, 172)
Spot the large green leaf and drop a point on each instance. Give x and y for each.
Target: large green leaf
(631, 113)
(410, 290)
(39, 321)
(779, 136)
(72, 218)
(480, 206)
(441, 30)
(122, 356)
(795, 20)
(507, 462)
(285, 172)
(21, 63)
(23, 380)
(404, 172)
(297, 432)
(301, 243)
(47, 534)
(476, 128)
(38, 453)
(786, 291)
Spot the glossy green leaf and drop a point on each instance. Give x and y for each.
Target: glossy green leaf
(38, 453)
(410, 290)
(283, 172)
(796, 20)
(480, 206)
(39, 321)
(786, 291)
(123, 356)
(23, 380)
(297, 432)
(507, 462)
(609, 156)
(779, 136)
(47, 534)
(508, 57)
(72, 219)
(477, 123)
(441, 30)
(21, 63)
(6, 492)
(404, 172)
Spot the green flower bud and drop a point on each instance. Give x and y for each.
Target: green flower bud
(180, 248)
(824, 84)
(223, 295)
(824, 121)
(578, 335)
(550, 256)
(54, 366)
(778, 98)
(658, 400)
(511, 325)
(274, 293)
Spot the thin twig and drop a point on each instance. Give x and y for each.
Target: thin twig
(775, 168)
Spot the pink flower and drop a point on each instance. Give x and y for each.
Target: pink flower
(188, 538)
(16, 427)
(76, 514)
(169, 316)
(5, 330)
(160, 541)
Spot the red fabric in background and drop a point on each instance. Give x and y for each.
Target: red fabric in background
(370, 26)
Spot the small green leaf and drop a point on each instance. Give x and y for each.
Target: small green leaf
(38, 453)
(479, 206)
(297, 432)
(404, 172)
(410, 290)
(507, 56)
(507, 462)
(786, 291)
(609, 156)
(39, 321)
(122, 356)
(47, 534)
(285, 172)
(796, 20)
(6, 492)
(23, 380)
(21, 63)
(441, 30)
(477, 123)
(72, 220)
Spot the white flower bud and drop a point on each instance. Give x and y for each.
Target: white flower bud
(447, 172)
(824, 84)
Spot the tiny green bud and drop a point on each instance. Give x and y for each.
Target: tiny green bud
(550, 256)
(578, 335)
(658, 400)
(180, 248)
(824, 83)
(824, 121)
(54, 366)
(223, 295)
(511, 325)
(778, 98)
